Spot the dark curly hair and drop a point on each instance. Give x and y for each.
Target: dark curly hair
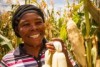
(21, 10)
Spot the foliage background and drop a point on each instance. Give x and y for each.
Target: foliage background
(56, 24)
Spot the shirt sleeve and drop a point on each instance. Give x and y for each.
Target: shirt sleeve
(2, 64)
(74, 63)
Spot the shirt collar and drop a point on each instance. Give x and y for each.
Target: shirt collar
(19, 51)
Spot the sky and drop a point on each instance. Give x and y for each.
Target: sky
(58, 4)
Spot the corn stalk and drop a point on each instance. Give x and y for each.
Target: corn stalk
(94, 11)
(88, 40)
(8, 41)
(55, 27)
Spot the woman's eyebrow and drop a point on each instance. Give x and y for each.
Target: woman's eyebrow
(22, 21)
(38, 18)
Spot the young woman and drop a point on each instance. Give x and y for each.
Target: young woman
(29, 24)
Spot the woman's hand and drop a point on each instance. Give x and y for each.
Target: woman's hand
(51, 47)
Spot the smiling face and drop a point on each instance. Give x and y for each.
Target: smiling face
(31, 29)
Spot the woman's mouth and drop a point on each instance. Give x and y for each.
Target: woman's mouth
(35, 36)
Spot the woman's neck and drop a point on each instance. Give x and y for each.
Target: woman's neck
(34, 51)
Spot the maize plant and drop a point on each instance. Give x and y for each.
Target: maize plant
(82, 34)
(8, 40)
(5, 45)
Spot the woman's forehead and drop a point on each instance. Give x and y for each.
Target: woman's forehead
(33, 16)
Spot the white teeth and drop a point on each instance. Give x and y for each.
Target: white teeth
(35, 36)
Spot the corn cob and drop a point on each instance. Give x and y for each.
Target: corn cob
(48, 59)
(77, 42)
(58, 58)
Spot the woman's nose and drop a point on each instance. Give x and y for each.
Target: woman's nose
(33, 27)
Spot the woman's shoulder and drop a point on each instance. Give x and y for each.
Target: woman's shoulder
(8, 56)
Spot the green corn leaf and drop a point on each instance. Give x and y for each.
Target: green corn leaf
(63, 33)
(5, 41)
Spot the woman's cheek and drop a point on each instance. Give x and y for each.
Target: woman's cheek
(22, 31)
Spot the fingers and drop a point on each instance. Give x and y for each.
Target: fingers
(58, 39)
(50, 47)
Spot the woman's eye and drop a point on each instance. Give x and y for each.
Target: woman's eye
(26, 24)
(38, 23)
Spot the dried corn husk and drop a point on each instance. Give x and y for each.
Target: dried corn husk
(48, 59)
(57, 59)
(94, 50)
(98, 62)
(77, 42)
(94, 11)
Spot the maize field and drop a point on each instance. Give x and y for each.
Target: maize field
(78, 25)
